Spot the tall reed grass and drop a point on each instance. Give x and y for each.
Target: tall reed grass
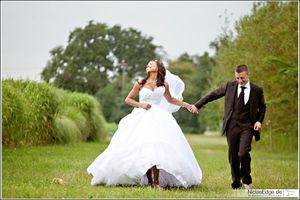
(38, 113)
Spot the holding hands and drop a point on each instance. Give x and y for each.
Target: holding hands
(193, 109)
(189, 107)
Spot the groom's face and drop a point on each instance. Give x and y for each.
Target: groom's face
(242, 78)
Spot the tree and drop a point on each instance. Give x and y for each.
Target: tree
(195, 71)
(96, 54)
(112, 98)
(131, 51)
(267, 41)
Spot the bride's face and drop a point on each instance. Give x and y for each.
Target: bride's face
(151, 67)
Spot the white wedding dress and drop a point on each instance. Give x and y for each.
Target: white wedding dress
(145, 138)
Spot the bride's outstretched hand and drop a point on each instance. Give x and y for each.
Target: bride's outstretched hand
(186, 105)
(192, 109)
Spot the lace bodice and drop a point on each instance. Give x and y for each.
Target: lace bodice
(154, 97)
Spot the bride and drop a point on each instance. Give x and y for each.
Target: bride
(149, 147)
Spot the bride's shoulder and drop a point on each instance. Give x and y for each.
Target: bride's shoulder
(138, 84)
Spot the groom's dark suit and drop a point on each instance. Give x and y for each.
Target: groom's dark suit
(238, 125)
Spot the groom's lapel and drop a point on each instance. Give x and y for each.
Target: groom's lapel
(233, 92)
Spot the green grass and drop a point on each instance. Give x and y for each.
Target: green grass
(28, 172)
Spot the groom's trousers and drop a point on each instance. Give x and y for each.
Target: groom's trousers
(239, 147)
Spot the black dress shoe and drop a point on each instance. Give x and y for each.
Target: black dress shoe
(236, 185)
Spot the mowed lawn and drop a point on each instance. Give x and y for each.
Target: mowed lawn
(29, 172)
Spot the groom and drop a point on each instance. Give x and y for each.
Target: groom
(244, 113)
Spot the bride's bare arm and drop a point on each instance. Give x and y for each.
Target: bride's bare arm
(173, 100)
(132, 94)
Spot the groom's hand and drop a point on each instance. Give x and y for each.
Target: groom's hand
(257, 126)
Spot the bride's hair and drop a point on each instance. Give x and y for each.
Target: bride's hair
(161, 73)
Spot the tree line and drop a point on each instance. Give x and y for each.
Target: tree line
(104, 61)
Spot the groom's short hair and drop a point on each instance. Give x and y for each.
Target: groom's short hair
(241, 68)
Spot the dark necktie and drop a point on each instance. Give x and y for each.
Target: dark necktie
(241, 101)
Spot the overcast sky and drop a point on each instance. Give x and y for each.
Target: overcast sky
(31, 29)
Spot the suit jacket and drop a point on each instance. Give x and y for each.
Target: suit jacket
(256, 98)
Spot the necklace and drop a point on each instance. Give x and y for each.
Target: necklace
(152, 81)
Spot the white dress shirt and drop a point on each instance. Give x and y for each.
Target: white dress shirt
(246, 91)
